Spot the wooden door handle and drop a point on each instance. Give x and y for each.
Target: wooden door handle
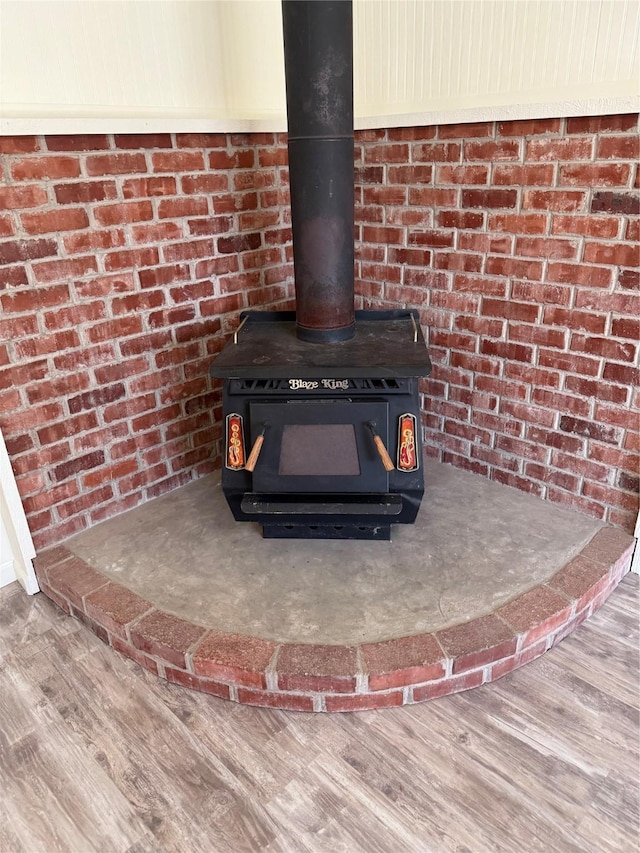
(382, 450)
(383, 454)
(255, 450)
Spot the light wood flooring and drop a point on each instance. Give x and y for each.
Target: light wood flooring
(96, 754)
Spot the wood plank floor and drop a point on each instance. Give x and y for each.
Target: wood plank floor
(96, 754)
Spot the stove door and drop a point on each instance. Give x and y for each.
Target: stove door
(320, 446)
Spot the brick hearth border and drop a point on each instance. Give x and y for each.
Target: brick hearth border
(310, 677)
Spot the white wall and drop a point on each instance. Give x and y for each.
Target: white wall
(16, 545)
(110, 58)
(143, 65)
(496, 58)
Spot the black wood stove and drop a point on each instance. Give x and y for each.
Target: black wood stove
(323, 441)
(321, 406)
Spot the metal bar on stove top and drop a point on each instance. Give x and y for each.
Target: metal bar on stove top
(415, 328)
(237, 331)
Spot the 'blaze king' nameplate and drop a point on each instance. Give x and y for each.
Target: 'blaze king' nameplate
(407, 453)
(235, 458)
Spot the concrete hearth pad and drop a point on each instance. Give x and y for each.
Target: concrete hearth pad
(487, 581)
(476, 546)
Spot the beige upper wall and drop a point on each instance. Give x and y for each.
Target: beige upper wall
(145, 65)
(497, 58)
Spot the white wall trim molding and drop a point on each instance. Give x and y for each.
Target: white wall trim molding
(17, 545)
(635, 560)
(502, 112)
(179, 123)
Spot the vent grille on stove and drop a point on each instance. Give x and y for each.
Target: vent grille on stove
(248, 385)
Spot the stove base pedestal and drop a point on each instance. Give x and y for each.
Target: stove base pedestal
(381, 532)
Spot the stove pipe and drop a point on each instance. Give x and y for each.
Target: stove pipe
(318, 55)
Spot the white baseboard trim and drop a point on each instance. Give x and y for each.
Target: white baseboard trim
(7, 573)
(15, 530)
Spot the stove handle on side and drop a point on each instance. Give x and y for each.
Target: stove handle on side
(255, 450)
(382, 450)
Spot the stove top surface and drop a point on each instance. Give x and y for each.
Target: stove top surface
(385, 344)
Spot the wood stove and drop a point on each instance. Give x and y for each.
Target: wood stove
(323, 441)
(321, 406)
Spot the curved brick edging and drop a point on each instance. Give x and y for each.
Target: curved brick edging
(311, 677)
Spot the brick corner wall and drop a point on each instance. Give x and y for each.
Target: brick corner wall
(125, 260)
(124, 263)
(519, 243)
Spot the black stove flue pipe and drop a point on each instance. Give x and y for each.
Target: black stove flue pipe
(318, 55)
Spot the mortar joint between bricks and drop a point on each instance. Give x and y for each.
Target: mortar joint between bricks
(318, 702)
(362, 676)
(188, 657)
(593, 606)
(84, 597)
(448, 661)
(271, 671)
(134, 622)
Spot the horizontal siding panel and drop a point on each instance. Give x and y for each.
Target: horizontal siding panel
(219, 65)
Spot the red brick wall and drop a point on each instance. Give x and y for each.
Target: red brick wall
(124, 261)
(518, 241)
